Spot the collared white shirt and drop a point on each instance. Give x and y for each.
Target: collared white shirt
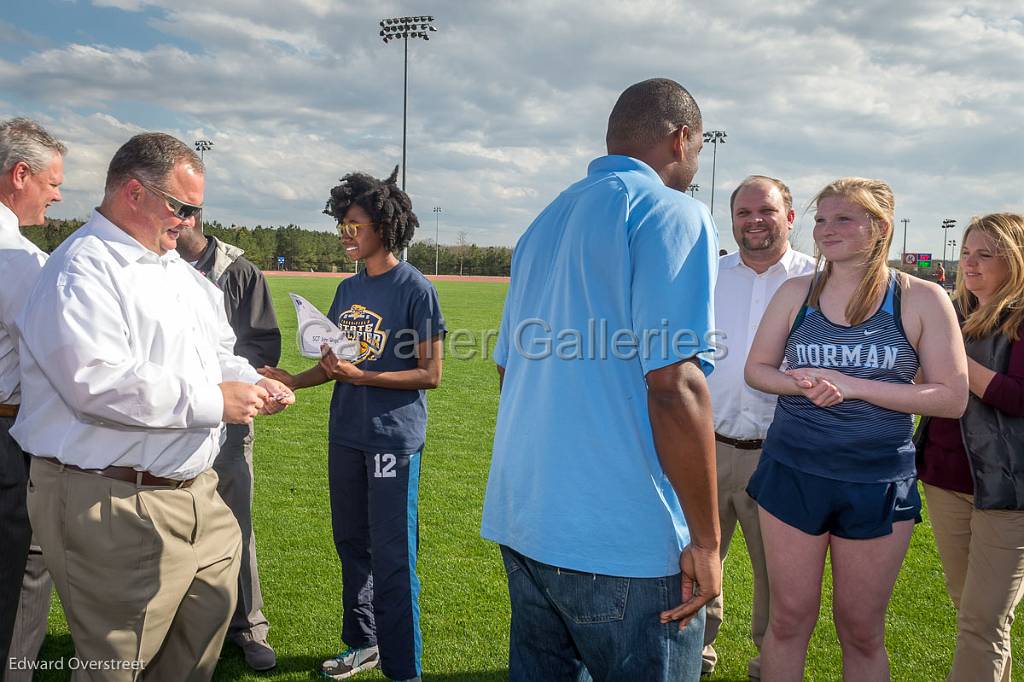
(20, 264)
(122, 352)
(741, 296)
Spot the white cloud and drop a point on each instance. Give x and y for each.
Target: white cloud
(126, 5)
(508, 102)
(12, 34)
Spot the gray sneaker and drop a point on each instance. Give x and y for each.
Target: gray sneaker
(259, 655)
(349, 662)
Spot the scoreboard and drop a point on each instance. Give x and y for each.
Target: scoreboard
(921, 260)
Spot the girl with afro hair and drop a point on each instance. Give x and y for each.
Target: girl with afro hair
(377, 426)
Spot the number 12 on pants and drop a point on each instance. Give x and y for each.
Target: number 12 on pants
(384, 465)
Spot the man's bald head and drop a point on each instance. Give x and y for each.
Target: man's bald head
(648, 111)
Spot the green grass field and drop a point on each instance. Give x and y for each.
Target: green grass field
(464, 601)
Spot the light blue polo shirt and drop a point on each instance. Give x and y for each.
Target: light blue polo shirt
(614, 279)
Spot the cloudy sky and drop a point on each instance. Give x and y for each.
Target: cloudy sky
(508, 100)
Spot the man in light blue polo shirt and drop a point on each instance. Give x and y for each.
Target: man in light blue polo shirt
(604, 424)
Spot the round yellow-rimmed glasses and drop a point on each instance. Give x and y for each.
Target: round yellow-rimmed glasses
(350, 229)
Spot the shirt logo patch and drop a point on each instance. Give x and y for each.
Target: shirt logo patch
(362, 325)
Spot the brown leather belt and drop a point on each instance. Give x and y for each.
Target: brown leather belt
(126, 474)
(9, 411)
(740, 444)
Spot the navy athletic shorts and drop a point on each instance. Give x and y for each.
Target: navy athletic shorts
(816, 505)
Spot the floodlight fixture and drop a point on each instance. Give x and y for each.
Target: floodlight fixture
(202, 146)
(405, 28)
(714, 137)
(947, 224)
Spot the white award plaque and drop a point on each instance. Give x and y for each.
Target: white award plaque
(315, 329)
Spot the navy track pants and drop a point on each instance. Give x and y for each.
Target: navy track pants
(374, 514)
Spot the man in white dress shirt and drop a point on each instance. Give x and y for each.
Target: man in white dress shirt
(762, 218)
(128, 375)
(31, 172)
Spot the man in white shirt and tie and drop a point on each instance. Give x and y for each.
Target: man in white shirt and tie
(762, 218)
(128, 375)
(31, 173)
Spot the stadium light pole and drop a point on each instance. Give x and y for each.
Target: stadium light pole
(203, 146)
(693, 188)
(714, 137)
(903, 256)
(405, 28)
(437, 233)
(947, 224)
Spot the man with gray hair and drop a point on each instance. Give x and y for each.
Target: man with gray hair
(593, 500)
(128, 375)
(31, 173)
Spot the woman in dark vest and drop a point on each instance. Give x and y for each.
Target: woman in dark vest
(836, 474)
(973, 467)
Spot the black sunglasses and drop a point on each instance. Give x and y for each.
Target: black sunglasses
(181, 209)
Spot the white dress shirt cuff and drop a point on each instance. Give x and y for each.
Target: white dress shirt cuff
(209, 407)
(249, 376)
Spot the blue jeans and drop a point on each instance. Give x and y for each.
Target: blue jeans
(579, 626)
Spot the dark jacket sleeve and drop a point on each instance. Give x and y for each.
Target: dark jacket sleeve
(250, 311)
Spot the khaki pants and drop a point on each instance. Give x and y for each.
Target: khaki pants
(982, 555)
(147, 576)
(735, 467)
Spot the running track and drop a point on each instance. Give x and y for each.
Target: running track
(342, 275)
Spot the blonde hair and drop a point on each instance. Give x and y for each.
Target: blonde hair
(1005, 312)
(875, 197)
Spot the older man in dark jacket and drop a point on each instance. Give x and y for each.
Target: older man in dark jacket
(250, 312)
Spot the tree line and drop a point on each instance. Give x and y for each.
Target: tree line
(318, 251)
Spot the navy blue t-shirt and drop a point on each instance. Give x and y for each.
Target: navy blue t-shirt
(390, 315)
